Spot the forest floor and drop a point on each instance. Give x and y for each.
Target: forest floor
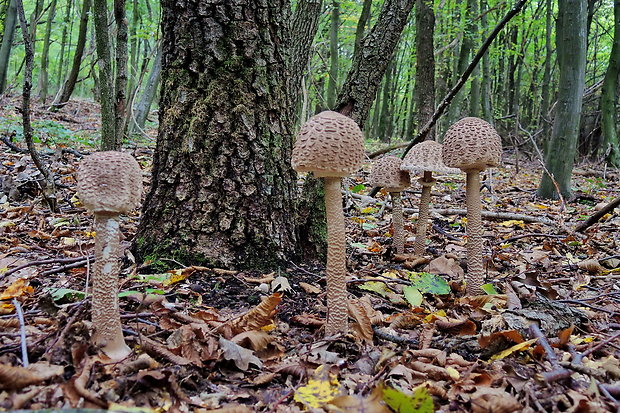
(209, 339)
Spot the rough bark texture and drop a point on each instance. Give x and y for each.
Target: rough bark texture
(425, 63)
(7, 42)
(423, 215)
(106, 89)
(397, 221)
(475, 247)
(105, 313)
(369, 65)
(222, 188)
(610, 146)
(336, 271)
(571, 49)
(43, 76)
(120, 85)
(69, 85)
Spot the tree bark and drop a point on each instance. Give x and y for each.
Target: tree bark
(609, 147)
(545, 122)
(369, 65)
(7, 42)
(63, 41)
(425, 63)
(571, 52)
(361, 25)
(141, 111)
(223, 186)
(106, 89)
(69, 84)
(120, 102)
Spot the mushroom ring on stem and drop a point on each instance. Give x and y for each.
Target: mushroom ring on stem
(109, 184)
(331, 146)
(425, 158)
(473, 145)
(386, 172)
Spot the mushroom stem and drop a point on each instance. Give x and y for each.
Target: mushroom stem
(475, 269)
(337, 309)
(427, 182)
(105, 313)
(397, 220)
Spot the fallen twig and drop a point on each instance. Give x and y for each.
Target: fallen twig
(598, 215)
(48, 261)
(22, 331)
(558, 372)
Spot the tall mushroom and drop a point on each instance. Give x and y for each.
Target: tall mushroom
(424, 157)
(386, 172)
(109, 184)
(331, 146)
(473, 145)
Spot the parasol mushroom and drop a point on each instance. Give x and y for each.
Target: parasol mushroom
(331, 146)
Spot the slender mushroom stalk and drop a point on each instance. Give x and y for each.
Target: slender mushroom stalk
(386, 172)
(331, 146)
(424, 157)
(473, 145)
(109, 184)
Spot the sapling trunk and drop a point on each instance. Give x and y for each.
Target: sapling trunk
(397, 221)
(423, 215)
(475, 269)
(336, 271)
(105, 312)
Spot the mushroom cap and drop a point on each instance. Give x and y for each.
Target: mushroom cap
(426, 156)
(387, 172)
(472, 144)
(329, 144)
(109, 182)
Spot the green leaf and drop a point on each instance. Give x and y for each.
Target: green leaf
(358, 188)
(420, 402)
(429, 283)
(413, 296)
(368, 225)
(359, 245)
(489, 289)
(67, 294)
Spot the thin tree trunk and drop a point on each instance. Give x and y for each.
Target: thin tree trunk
(609, 147)
(43, 76)
(69, 84)
(63, 42)
(485, 86)
(425, 63)
(133, 52)
(332, 82)
(120, 104)
(109, 140)
(454, 112)
(49, 191)
(545, 122)
(361, 25)
(571, 52)
(142, 108)
(7, 42)
(386, 107)
(368, 66)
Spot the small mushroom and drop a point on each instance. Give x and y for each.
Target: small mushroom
(473, 145)
(386, 172)
(109, 184)
(331, 146)
(424, 157)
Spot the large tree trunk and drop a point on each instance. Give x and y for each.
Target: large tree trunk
(69, 84)
(425, 63)
(609, 145)
(7, 42)
(571, 49)
(369, 65)
(106, 89)
(222, 187)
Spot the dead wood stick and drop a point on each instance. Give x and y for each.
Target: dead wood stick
(48, 261)
(76, 264)
(534, 234)
(598, 215)
(387, 149)
(558, 371)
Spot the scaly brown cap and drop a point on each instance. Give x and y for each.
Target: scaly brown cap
(329, 144)
(109, 182)
(426, 156)
(472, 144)
(386, 172)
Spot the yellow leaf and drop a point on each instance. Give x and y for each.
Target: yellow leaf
(517, 347)
(321, 389)
(454, 373)
(269, 327)
(540, 206)
(512, 223)
(435, 316)
(5, 224)
(17, 289)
